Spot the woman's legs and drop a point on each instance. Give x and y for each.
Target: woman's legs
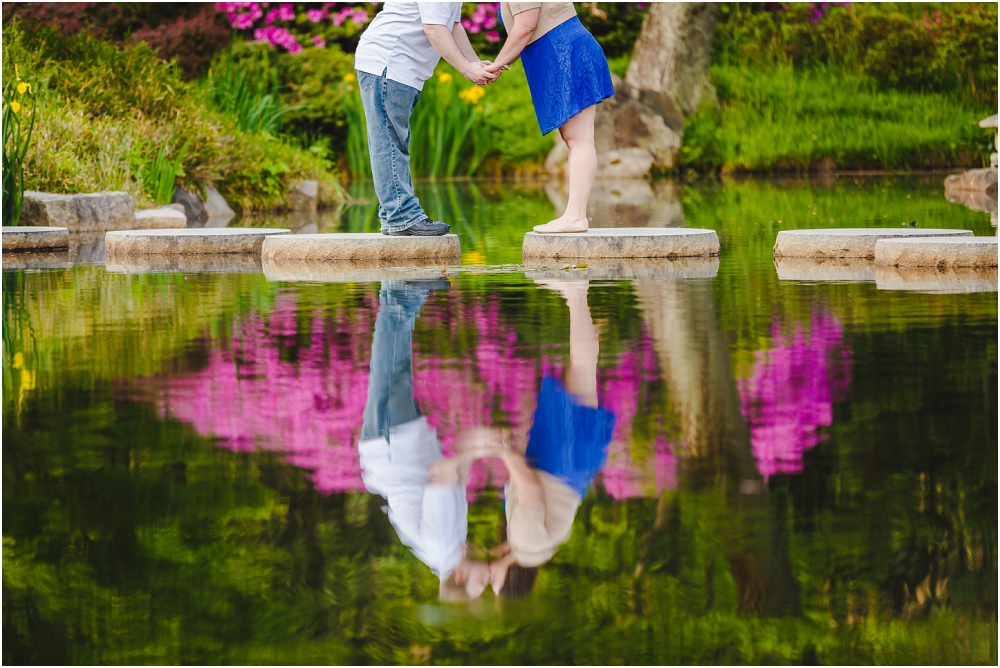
(578, 133)
(584, 346)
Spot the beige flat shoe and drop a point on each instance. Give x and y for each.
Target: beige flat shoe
(581, 225)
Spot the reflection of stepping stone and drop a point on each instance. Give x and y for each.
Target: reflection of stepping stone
(39, 259)
(846, 242)
(846, 269)
(934, 280)
(230, 263)
(187, 241)
(960, 252)
(26, 237)
(622, 242)
(350, 271)
(361, 246)
(603, 269)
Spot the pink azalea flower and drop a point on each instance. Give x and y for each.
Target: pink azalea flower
(342, 15)
(490, 22)
(285, 12)
(359, 16)
(318, 41)
(493, 36)
(317, 15)
(271, 17)
(243, 22)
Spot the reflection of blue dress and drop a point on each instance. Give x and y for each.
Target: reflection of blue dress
(567, 440)
(567, 72)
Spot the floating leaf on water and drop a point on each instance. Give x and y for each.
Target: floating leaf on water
(582, 265)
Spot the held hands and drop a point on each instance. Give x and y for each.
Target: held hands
(477, 74)
(494, 69)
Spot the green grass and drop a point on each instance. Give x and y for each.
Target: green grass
(786, 119)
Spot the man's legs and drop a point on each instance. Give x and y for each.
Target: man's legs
(390, 383)
(388, 105)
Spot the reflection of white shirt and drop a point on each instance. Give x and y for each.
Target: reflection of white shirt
(430, 520)
(395, 41)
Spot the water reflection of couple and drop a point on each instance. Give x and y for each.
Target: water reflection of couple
(401, 457)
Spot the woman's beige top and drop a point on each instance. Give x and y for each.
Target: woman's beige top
(551, 15)
(534, 532)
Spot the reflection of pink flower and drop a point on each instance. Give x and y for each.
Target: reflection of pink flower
(318, 41)
(250, 396)
(791, 393)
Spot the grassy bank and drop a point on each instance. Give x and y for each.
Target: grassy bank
(113, 118)
(787, 119)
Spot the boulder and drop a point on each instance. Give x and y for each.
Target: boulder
(194, 209)
(84, 212)
(215, 205)
(627, 203)
(164, 217)
(633, 132)
(304, 196)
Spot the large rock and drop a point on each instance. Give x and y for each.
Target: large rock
(217, 208)
(84, 212)
(164, 217)
(633, 132)
(304, 196)
(626, 203)
(194, 208)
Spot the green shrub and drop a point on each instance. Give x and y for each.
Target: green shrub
(243, 82)
(939, 47)
(103, 106)
(312, 90)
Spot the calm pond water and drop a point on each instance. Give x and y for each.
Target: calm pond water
(750, 469)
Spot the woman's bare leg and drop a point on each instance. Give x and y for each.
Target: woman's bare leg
(578, 133)
(584, 347)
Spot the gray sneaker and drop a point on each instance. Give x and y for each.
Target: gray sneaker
(425, 228)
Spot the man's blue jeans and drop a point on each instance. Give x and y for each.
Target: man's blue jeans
(390, 383)
(388, 105)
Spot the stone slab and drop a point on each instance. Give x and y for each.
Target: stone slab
(83, 212)
(231, 263)
(190, 241)
(26, 238)
(837, 269)
(622, 242)
(847, 242)
(363, 247)
(960, 252)
(160, 218)
(39, 259)
(933, 280)
(603, 269)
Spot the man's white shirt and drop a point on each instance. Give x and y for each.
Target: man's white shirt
(395, 42)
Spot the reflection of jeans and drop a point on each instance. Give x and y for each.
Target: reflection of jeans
(388, 105)
(390, 383)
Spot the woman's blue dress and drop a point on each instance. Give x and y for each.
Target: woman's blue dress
(567, 72)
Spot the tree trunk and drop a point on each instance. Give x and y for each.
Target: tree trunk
(673, 53)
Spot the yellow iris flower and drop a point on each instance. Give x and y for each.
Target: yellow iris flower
(15, 106)
(350, 77)
(21, 87)
(472, 95)
(444, 77)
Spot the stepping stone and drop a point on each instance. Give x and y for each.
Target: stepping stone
(622, 242)
(846, 242)
(230, 263)
(633, 269)
(365, 247)
(842, 269)
(164, 217)
(23, 238)
(936, 281)
(191, 241)
(960, 252)
(350, 271)
(83, 212)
